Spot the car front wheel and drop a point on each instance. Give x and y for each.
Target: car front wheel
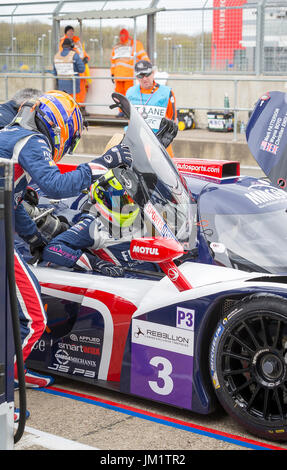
(248, 364)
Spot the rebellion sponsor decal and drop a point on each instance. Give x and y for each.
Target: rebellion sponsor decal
(162, 336)
(162, 360)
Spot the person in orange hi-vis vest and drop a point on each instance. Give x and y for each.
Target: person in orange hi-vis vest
(80, 49)
(123, 58)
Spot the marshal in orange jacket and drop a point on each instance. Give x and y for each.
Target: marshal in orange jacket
(123, 58)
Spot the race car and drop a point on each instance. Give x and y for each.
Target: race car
(242, 220)
(195, 335)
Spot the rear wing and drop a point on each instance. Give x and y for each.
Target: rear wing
(212, 168)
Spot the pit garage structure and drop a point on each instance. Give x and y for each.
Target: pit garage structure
(99, 113)
(131, 13)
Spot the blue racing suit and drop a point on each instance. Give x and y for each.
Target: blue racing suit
(33, 161)
(8, 111)
(88, 234)
(32, 158)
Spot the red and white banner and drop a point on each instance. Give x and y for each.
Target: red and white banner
(227, 32)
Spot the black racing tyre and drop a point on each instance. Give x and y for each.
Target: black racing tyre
(248, 365)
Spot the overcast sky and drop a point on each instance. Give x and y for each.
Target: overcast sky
(166, 23)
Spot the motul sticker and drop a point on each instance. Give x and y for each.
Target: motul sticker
(145, 250)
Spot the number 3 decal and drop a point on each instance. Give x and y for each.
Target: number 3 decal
(163, 374)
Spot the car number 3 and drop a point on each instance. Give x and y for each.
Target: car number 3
(164, 374)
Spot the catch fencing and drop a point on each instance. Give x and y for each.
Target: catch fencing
(222, 36)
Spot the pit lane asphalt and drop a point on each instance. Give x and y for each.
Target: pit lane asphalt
(106, 420)
(91, 418)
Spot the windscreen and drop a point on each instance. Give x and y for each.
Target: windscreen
(160, 191)
(246, 228)
(249, 242)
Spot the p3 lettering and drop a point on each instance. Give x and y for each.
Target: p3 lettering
(185, 318)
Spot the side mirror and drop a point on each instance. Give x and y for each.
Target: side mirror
(162, 251)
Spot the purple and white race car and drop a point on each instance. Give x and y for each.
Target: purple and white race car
(191, 336)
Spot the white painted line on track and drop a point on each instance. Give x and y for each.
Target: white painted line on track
(48, 441)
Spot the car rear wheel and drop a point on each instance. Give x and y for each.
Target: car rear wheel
(248, 365)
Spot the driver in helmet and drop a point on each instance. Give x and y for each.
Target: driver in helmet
(108, 222)
(40, 134)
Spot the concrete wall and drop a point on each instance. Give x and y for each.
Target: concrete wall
(192, 91)
(93, 143)
(208, 92)
(195, 91)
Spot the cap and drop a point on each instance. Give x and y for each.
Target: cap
(68, 43)
(143, 66)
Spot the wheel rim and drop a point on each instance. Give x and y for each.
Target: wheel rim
(253, 365)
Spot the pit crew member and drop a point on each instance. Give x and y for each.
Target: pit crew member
(41, 133)
(9, 109)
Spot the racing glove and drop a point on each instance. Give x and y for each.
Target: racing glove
(31, 196)
(89, 262)
(37, 244)
(119, 155)
(167, 131)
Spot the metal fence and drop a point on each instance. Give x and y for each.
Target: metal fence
(239, 105)
(244, 38)
(249, 39)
